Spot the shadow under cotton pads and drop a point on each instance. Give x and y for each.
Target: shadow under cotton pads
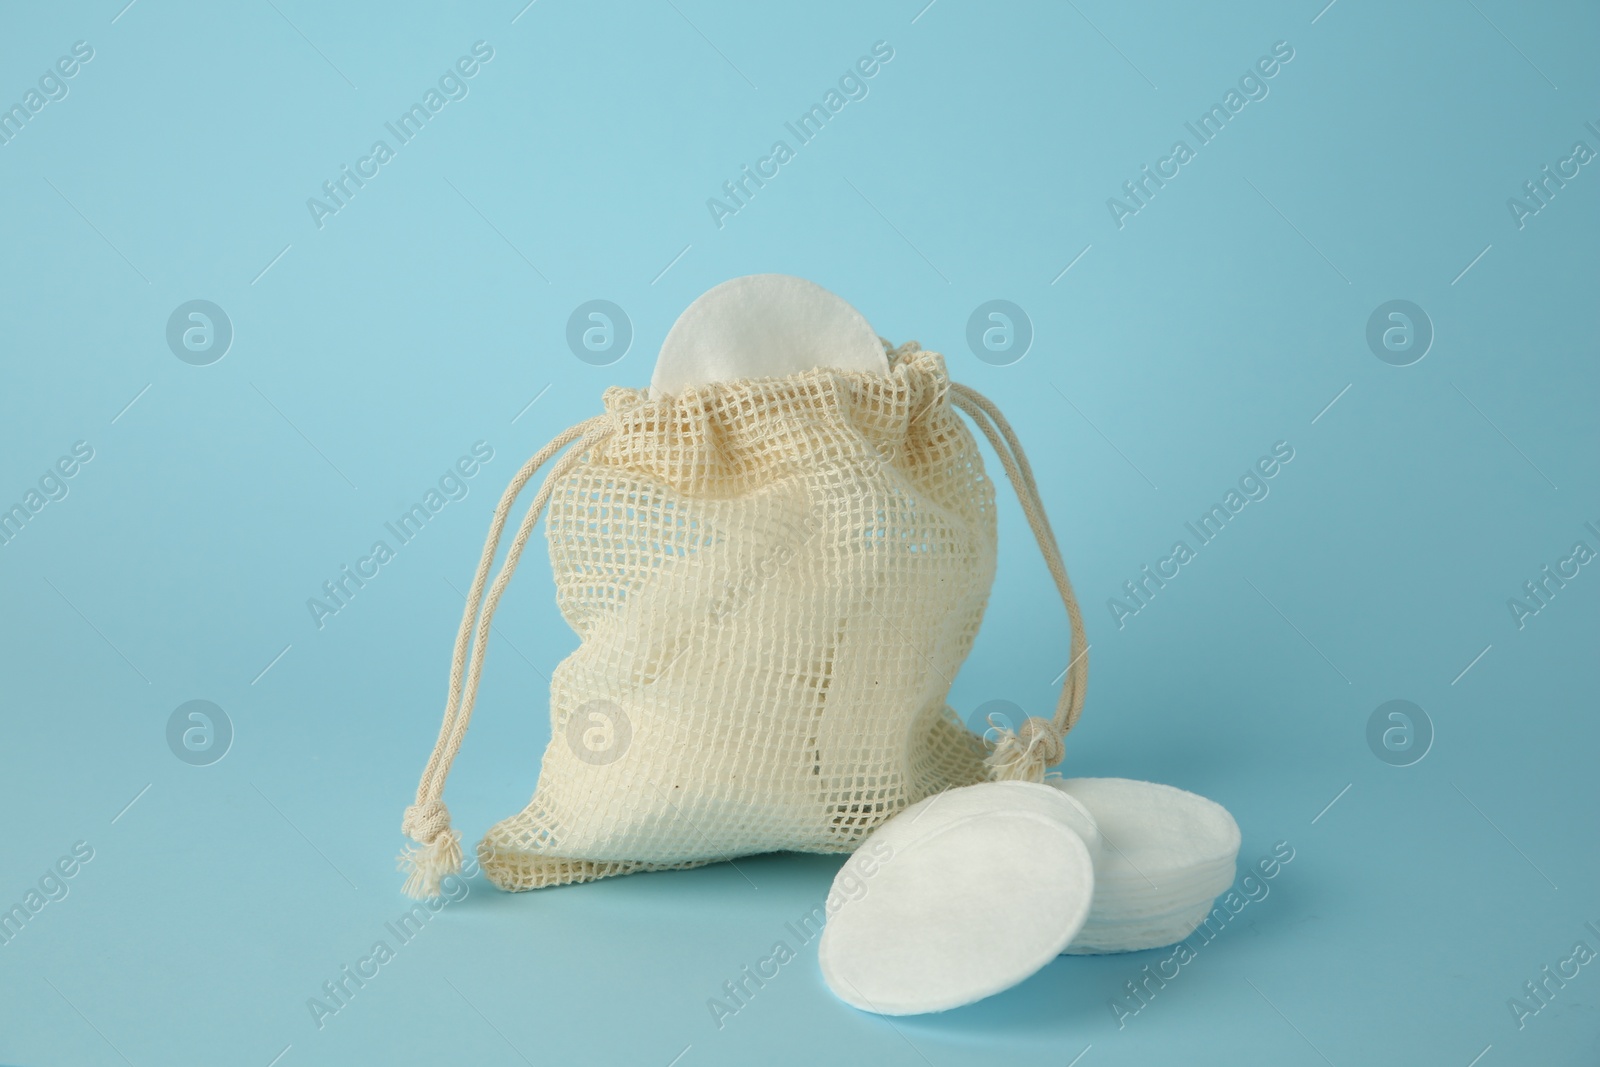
(960, 914)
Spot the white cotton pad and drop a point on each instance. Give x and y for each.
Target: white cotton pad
(1136, 937)
(1155, 835)
(931, 813)
(1128, 904)
(958, 914)
(1166, 855)
(764, 326)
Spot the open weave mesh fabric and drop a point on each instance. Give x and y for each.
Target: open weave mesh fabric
(775, 581)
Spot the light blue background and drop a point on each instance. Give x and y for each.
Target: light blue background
(1223, 317)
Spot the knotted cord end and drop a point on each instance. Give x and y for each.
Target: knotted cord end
(436, 854)
(1023, 755)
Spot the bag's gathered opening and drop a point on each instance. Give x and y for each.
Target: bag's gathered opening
(1020, 754)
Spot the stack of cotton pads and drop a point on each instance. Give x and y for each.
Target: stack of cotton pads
(971, 891)
(1166, 855)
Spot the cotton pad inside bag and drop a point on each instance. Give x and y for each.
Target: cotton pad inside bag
(772, 580)
(764, 326)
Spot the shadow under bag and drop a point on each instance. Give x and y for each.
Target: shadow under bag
(774, 582)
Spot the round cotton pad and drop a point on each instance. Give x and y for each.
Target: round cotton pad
(1104, 938)
(931, 813)
(959, 914)
(764, 326)
(1136, 902)
(1166, 855)
(1156, 836)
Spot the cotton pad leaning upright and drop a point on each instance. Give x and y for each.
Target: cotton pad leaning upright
(926, 934)
(929, 934)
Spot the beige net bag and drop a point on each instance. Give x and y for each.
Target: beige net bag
(774, 582)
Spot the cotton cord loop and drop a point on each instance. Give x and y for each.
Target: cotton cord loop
(1024, 754)
(437, 850)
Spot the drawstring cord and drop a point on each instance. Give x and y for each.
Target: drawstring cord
(437, 850)
(1024, 754)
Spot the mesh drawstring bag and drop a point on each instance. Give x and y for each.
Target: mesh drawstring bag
(774, 582)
